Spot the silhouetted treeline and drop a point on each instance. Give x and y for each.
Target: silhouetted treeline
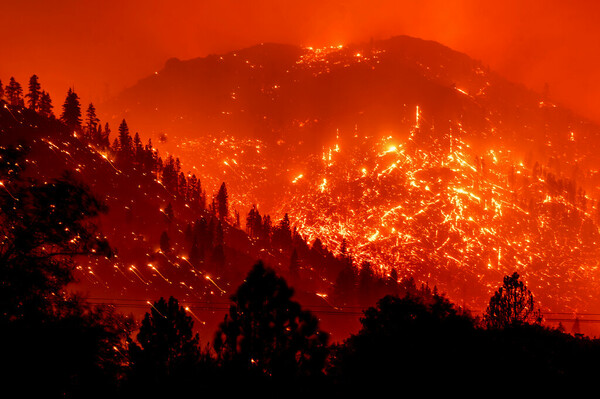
(52, 343)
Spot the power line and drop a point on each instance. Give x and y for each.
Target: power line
(210, 306)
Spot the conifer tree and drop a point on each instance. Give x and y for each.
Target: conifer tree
(1, 91)
(193, 195)
(34, 94)
(169, 175)
(97, 136)
(91, 120)
(125, 142)
(105, 138)
(223, 207)
(251, 226)
(149, 160)
(282, 234)
(14, 93)
(115, 148)
(45, 105)
(182, 186)
(266, 227)
(71, 115)
(138, 149)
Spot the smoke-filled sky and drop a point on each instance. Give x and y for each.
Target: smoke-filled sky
(103, 46)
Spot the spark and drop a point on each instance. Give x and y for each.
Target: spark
(215, 284)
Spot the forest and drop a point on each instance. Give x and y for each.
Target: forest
(58, 343)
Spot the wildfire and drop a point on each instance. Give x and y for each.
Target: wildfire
(434, 210)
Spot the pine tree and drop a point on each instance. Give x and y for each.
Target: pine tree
(115, 148)
(223, 207)
(138, 149)
(169, 175)
(105, 138)
(282, 234)
(45, 106)
(182, 186)
(266, 228)
(71, 115)
(237, 224)
(14, 93)
(1, 91)
(97, 136)
(148, 159)
(34, 94)
(91, 121)
(125, 142)
(193, 194)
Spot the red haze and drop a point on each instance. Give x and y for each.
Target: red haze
(100, 47)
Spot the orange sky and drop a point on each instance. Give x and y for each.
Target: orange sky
(100, 47)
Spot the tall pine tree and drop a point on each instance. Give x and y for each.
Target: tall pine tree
(125, 141)
(14, 93)
(71, 115)
(34, 95)
(223, 207)
(91, 121)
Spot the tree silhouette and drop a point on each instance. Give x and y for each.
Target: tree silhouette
(511, 305)
(267, 333)
(71, 115)
(74, 345)
(14, 93)
(125, 142)
(167, 350)
(45, 105)
(405, 340)
(282, 233)
(78, 347)
(34, 94)
(223, 207)
(91, 120)
(44, 226)
(1, 91)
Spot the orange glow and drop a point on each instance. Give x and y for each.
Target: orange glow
(528, 42)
